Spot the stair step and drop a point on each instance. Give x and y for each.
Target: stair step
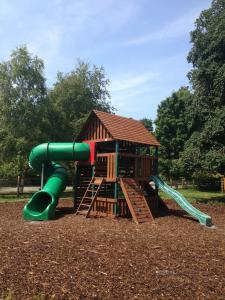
(83, 212)
(141, 205)
(93, 188)
(136, 200)
(86, 205)
(146, 220)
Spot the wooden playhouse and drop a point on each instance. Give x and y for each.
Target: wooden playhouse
(116, 184)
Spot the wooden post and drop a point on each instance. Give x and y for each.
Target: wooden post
(75, 183)
(156, 155)
(42, 175)
(18, 186)
(222, 184)
(116, 207)
(21, 186)
(92, 175)
(182, 182)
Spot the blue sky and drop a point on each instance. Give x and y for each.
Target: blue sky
(142, 44)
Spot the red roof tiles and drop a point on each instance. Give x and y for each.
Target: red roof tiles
(126, 129)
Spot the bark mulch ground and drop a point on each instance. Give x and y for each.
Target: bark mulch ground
(77, 258)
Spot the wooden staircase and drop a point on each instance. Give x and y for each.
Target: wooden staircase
(136, 201)
(89, 197)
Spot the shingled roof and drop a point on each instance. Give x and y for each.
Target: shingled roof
(126, 129)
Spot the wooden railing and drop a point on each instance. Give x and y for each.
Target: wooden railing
(140, 167)
(106, 163)
(143, 165)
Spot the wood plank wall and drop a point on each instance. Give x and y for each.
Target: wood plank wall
(95, 130)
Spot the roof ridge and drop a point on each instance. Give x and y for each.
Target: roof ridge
(128, 118)
(123, 128)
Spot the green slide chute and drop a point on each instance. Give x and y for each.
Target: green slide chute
(182, 202)
(42, 204)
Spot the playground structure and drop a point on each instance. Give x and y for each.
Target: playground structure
(115, 160)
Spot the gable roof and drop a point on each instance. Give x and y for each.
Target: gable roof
(126, 129)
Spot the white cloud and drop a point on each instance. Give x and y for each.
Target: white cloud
(175, 29)
(47, 43)
(127, 87)
(131, 81)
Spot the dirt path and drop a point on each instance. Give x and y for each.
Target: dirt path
(77, 258)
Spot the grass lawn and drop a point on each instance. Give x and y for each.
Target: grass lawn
(198, 196)
(25, 197)
(13, 198)
(191, 195)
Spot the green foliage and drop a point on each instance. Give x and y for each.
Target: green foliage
(198, 148)
(208, 59)
(147, 123)
(207, 110)
(30, 114)
(22, 99)
(74, 95)
(172, 130)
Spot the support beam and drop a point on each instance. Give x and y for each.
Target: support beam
(42, 175)
(116, 207)
(75, 183)
(156, 155)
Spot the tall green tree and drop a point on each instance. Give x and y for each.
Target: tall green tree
(22, 97)
(147, 123)
(172, 129)
(74, 95)
(207, 110)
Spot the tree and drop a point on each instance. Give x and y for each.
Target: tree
(207, 109)
(22, 99)
(147, 123)
(172, 129)
(74, 95)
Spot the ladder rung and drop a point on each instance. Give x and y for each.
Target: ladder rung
(82, 212)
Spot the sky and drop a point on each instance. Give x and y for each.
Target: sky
(142, 44)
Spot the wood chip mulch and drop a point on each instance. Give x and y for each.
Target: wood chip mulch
(76, 258)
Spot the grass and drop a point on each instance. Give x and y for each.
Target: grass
(13, 198)
(195, 196)
(25, 197)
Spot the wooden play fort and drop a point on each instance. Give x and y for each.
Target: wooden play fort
(116, 183)
(115, 159)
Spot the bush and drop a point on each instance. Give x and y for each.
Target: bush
(209, 183)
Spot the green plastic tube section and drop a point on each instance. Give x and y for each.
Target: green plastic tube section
(42, 204)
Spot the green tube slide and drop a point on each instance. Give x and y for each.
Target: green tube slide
(42, 204)
(182, 202)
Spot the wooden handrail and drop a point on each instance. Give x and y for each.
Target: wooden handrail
(143, 164)
(126, 155)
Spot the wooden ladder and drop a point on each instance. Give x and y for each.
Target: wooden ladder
(136, 201)
(89, 197)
